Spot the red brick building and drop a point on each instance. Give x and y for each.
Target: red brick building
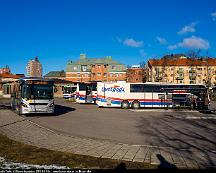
(5, 70)
(136, 75)
(95, 69)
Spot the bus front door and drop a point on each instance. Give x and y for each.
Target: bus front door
(88, 98)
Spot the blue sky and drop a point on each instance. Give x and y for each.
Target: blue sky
(130, 31)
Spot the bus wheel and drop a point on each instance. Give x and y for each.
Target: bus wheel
(136, 105)
(125, 104)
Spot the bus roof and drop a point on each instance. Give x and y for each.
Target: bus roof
(35, 78)
(155, 83)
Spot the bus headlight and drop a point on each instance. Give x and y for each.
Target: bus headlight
(51, 105)
(24, 105)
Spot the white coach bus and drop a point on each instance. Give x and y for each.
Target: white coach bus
(149, 95)
(86, 92)
(33, 95)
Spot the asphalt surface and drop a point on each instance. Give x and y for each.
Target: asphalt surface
(159, 128)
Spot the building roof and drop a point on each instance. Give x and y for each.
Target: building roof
(8, 75)
(55, 74)
(92, 61)
(61, 81)
(182, 62)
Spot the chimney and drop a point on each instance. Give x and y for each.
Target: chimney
(82, 56)
(108, 57)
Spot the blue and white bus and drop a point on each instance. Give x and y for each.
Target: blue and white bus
(86, 92)
(69, 91)
(148, 95)
(33, 95)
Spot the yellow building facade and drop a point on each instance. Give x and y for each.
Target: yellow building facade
(182, 70)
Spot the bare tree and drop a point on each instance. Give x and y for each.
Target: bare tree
(194, 54)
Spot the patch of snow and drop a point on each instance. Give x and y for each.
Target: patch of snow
(11, 165)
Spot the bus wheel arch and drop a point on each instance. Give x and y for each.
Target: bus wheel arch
(125, 104)
(135, 104)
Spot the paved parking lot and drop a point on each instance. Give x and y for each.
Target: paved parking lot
(135, 129)
(159, 128)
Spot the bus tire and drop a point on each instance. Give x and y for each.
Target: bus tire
(136, 105)
(125, 104)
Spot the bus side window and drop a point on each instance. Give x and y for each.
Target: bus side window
(136, 88)
(82, 87)
(148, 88)
(94, 87)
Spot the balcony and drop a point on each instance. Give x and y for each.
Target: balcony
(158, 78)
(192, 71)
(180, 71)
(192, 77)
(179, 77)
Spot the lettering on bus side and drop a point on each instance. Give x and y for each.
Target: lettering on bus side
(113, 89)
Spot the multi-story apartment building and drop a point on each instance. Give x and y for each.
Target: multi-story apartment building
(136, 74)
(95, 69)
(182, 70)
(34, 68)
(5, 70)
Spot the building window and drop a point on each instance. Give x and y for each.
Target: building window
(99, 66)
(99, 74)
(113, 67)
(75, 68)
(78, 74)
(181, 81)
(105, 75)
(83, 67)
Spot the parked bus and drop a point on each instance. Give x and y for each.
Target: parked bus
(149, 95)
(86, 92)
(69, 91)
(212, 99)
(33, 95)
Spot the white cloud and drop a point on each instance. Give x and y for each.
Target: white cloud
(213, 15)
(188, 28)
(142, 53)
(161, 40)
(132, 43)
(172, 47)
(192, 43)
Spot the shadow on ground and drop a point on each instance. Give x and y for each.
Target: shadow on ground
(164, 164)
(185, 135)
(59, 110)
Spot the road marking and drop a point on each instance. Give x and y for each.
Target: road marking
(195, 117)
(162, 110)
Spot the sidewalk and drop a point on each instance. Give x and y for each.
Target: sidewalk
(23, 130)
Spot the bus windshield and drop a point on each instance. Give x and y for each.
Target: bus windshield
(37, 91)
